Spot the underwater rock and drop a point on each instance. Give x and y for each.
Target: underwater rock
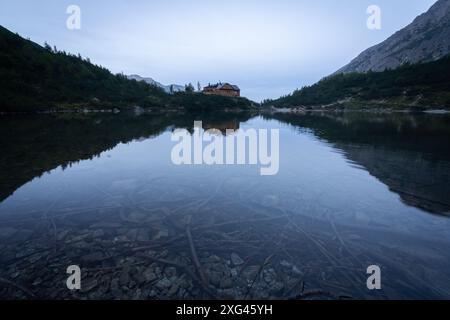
(173, 290)
(228, 294)
(250, 272)
(213, 259)
(226, 283)
(124, 278)
(170, 272)
(163, 233)
(149, 275)
(286, 264)
(214, 277)
(137, 294)
(236, 260)
(115, 288)
(276, 288)
(164, 283)
(62, 235)
(269, 276)
(296, 271)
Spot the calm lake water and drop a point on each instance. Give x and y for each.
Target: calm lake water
(100, 191)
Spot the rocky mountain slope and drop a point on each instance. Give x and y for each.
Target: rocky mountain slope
(426, 39)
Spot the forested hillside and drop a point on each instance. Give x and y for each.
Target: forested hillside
(34, 78)
(421, 85)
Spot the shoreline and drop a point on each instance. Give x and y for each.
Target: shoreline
(296, 110)
(367, 110)
(135, 110)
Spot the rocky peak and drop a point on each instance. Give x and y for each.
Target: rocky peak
(427, 38)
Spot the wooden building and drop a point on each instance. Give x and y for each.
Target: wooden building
(223, 89)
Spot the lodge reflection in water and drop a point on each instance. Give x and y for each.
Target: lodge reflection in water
(408, 153)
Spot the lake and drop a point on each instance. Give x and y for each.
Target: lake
(100, 191)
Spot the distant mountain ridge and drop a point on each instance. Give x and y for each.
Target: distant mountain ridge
(426, 39)
(175, 87)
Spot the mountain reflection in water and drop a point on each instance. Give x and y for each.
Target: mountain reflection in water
(409, 153)
(99, 191)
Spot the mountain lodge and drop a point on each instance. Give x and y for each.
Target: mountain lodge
(223, 89)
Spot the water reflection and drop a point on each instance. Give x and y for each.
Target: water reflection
(409, 153)
(101, 192)
(33, 145)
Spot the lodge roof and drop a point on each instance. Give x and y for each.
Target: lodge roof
(220, 86)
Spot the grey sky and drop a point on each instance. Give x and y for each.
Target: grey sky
(268, 48)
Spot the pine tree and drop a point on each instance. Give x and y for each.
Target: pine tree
(189, 88)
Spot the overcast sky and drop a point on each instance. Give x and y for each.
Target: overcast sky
(268, 48)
